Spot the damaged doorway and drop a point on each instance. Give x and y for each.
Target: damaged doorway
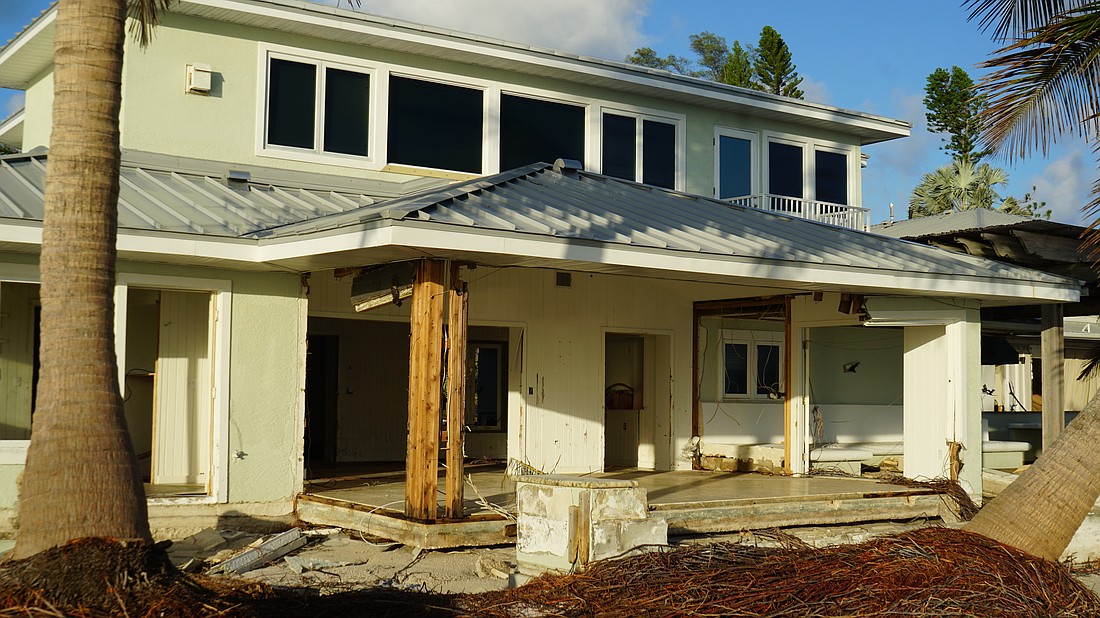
(168, 367)
(357, 384)
(637, 400)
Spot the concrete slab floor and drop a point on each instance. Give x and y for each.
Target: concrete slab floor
(667, 488)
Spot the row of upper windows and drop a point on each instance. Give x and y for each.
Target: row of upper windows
(795, 169)
(330, 109)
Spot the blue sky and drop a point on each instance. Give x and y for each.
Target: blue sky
(866, 55)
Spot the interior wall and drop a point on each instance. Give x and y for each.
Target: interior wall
(17, 308)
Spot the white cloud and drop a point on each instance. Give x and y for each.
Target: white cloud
(816, 91)
(1064, 184)
(14, 102)
(609, 29)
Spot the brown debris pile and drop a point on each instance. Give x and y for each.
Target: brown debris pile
(928, 572)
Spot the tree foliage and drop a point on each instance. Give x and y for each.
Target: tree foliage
(773, 67)
(963, 185)
(954, 105)
(767, 67)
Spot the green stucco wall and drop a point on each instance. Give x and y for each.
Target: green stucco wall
(158, 116)
(264, 418)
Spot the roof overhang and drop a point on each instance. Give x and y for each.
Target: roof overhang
(31, 52)
(11, 130)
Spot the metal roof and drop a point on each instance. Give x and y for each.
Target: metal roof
(31, 51)
(951, 222)
(175, 194)
(538, 200)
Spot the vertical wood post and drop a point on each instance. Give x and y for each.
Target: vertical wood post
(1054, 372)
(425, 377)
(786, 364)
(458, 303)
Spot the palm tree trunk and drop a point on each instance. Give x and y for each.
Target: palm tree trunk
(81, 477)
(1041, 510)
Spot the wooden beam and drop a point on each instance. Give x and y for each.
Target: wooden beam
(457, 310)
(425, 377)
(1054, 248)
(787, 411)
(1054, 372)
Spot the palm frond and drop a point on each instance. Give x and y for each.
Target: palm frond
(1013, 19)
(1044, 86)
(144, 16)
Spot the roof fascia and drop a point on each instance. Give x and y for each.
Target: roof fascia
(21, 43)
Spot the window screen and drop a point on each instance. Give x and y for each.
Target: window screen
(347, 112)
(619, 146)
(532, 130)
(291, 103)
(659, 154)
(785, 170)
(734, 167)
(435, 125)
(831, 176)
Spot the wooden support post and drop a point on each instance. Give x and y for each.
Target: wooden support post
(425, 389)
(1054, 373)
(458, 303)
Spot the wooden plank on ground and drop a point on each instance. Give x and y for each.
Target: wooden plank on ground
(425, 384)
(458, 304)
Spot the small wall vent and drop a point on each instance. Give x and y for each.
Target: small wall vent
(563, 280)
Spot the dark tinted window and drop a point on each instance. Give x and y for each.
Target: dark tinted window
(347, 109)
(532, 130)
(659, 154)
(291, 103)
(435, 125)
(619, 146)
(831, 177)
(785, 169)
(737, 368)
(734, 167)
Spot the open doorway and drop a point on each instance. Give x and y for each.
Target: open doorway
(168, 388)
(637, 396)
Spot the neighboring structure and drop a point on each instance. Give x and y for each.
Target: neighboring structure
(278, 154)
(1016, 338)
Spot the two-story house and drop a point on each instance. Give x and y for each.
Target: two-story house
(692, 282)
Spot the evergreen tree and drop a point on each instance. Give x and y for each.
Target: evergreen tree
(773, 68)
(953, 106)
(738, 68)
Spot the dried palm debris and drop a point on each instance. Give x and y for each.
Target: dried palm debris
(928, 572)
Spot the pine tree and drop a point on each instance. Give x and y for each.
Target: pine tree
(738, 68)
(773, 67)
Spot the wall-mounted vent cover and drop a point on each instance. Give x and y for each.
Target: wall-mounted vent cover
(563, 280)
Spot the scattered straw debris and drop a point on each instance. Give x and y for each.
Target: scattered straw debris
(928, 572)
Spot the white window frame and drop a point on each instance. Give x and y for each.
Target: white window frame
(14, 452)
(317, 154)
(641, 114)
(753, 138)
(809, 148)
(752, 339)
(219, 426)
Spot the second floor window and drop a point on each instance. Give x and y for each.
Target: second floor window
(639, 149)
(534, 130)
(437, 125)
(316, 107)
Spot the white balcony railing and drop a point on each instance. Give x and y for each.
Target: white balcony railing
(851, 217)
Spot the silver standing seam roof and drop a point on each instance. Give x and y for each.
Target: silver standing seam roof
(175, 194)
(186, 197)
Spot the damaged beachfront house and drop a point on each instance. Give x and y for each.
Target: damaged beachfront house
(645, 270)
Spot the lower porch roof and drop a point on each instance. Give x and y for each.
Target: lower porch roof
(541, 216)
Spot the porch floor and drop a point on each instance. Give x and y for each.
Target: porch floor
(692, 501)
